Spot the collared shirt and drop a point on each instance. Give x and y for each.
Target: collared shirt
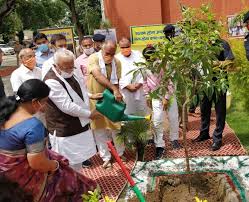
(47, 65)
(23, 74)
(81, 64)
(41, 57)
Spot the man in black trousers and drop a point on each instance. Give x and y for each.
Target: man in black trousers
(2, 93)
(220, 107)
(246, 42)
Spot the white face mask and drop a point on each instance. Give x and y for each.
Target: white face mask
(89, 51)
(66, 75)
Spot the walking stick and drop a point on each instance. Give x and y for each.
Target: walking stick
(127, 175)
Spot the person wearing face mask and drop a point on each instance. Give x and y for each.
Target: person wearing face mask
(131, 88)
(2, 92)
(98, 39)
(27, 69)
(58, 42)
(68, 113)
(24, 156)
(246, 42)
(104, 72)
(81, 61)
(43, 52)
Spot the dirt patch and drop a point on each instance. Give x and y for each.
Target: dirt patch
(176, 189)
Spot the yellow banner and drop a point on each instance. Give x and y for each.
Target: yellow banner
(147, 34)
(66, 31)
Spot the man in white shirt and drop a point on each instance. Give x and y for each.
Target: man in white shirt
(58, 41)
(68, 112)
(27, 69)
(131, 88)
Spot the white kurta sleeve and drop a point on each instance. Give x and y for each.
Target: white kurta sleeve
(62, 100)
(15, 81)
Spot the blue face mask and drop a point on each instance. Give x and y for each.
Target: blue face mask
(43, 48)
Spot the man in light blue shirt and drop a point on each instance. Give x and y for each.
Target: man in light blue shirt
(43, 53)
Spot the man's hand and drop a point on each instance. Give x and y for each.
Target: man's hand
(138, 85)
(96, 96)
(118, 96)
(95, 115)
(149, 102)
(131, 88)
(165, 103)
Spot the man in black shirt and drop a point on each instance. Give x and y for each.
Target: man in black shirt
(220, 106)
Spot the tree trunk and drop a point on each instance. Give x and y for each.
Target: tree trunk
(75, 19)
(184, 110)
(6, 8)
(140, 152)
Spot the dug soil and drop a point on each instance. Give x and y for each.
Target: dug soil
(176, 189)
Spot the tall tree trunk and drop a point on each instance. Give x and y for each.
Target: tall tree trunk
(76, 21)
(75, 18)
(6, 8)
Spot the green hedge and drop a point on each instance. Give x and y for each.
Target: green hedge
(239, 80)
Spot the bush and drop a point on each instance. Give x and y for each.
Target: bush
(239, 80)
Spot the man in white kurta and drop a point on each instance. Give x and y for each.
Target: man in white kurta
(68, 113)
(131, 87)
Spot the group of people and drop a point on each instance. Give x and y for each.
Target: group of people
(50, 127)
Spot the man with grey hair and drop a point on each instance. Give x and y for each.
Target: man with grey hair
(27, 69)
(68, 112)
(104, 72)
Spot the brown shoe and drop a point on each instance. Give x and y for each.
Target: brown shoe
(107, 164)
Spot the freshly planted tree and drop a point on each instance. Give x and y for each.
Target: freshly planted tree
(193, 52)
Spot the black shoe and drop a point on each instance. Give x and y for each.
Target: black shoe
(86, 164)
(175, 144)
(159, 152)
(192, 111)
(150, 142)
(216, 146)
(201, 138)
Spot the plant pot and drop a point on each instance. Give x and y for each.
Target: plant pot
(140, 152)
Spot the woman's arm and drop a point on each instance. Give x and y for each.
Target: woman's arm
(40, 162)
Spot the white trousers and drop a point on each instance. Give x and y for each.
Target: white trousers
(102, 136)
(158, 119)
(76, 148)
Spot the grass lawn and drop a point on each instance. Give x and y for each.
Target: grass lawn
(239, 122)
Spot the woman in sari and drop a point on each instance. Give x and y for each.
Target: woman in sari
(24, 157)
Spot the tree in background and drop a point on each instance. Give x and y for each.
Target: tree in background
(19, 15)
(7, 6)
(85, 15)
(32, 15)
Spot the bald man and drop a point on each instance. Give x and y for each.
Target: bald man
(104, 72)
(131, 88)
(27, 69)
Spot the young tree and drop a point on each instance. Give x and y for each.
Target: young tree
(194, 51)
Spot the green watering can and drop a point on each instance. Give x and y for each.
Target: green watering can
(114, 110)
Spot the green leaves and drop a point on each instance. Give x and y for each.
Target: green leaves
(191, 55)
(134, 132)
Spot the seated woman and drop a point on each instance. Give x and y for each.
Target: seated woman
(24, 157)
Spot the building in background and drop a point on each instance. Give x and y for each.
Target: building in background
(124, 14)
